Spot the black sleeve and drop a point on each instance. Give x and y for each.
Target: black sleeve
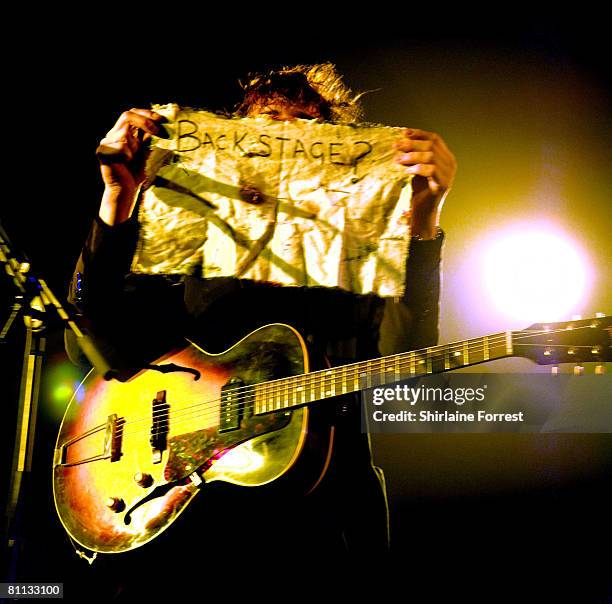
(101, 268)
(411, 322)
(119, 309)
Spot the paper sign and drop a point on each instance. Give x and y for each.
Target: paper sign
(298, 203)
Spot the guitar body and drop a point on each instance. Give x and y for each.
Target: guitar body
(131, 456)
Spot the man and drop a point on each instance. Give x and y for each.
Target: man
(137, 319)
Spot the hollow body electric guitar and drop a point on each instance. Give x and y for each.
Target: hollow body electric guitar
(131, 455)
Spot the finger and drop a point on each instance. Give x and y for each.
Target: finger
(415, 157)
(407, 144)
(417, 133)
(149, 113)
(437, 179)
(139, 121)
(426, 170)
(120, 145)
(110, 151)
(126, 134)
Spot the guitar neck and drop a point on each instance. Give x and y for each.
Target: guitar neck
(299, 390)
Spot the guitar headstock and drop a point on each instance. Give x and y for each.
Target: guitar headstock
(576, 341)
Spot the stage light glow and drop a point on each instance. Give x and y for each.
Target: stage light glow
(242, 459)
(534, 274)
(60, 381)
(62, 392)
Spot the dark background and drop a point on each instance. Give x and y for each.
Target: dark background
(500, 89)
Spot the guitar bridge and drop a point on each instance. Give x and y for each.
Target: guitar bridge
(102, 442)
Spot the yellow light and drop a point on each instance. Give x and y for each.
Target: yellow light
(62, 393)
(60, 380)
(240, 459)
(534, 275)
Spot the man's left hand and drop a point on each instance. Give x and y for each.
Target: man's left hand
(427, 157)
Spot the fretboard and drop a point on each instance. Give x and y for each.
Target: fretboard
(299, 390)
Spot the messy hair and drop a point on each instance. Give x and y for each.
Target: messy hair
(317, 86)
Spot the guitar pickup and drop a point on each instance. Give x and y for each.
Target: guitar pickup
(160, 426)
(232, 405)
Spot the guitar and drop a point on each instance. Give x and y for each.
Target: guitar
(131, 456)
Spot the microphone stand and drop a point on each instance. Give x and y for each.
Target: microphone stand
(33, 300)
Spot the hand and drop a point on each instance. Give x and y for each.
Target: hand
(434, 166)
(122, 156)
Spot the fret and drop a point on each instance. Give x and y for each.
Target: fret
(385, 368)
(343, 373)
(257, 403)
(302, 390)
(337, 379)
(398, 372)
(264, 397)
(272, 394)
(438, 359)
(311, 386)
(294, 381)
(509, 343)
(428, 368)
(466, 353)
(412, 363)
(356, 377)
(368, 374)
(455, 357)
(446, 358)
(497, 346)
(330, 388)
(420, 365)
(476, 351)
(274, 390)
(485, 348)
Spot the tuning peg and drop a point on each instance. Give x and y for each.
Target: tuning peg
(554, 369)
(600, 369)
(578, 370)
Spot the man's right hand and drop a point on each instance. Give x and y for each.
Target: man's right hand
(122, 156)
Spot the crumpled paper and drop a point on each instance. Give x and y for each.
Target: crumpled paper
(298, 203)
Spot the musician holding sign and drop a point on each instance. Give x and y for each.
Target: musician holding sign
(155, 269)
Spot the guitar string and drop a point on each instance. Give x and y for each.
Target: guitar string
(351, 373)
(351, 368)
(494, 340)
(213, 414)
(179, 416)
(319, 375)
